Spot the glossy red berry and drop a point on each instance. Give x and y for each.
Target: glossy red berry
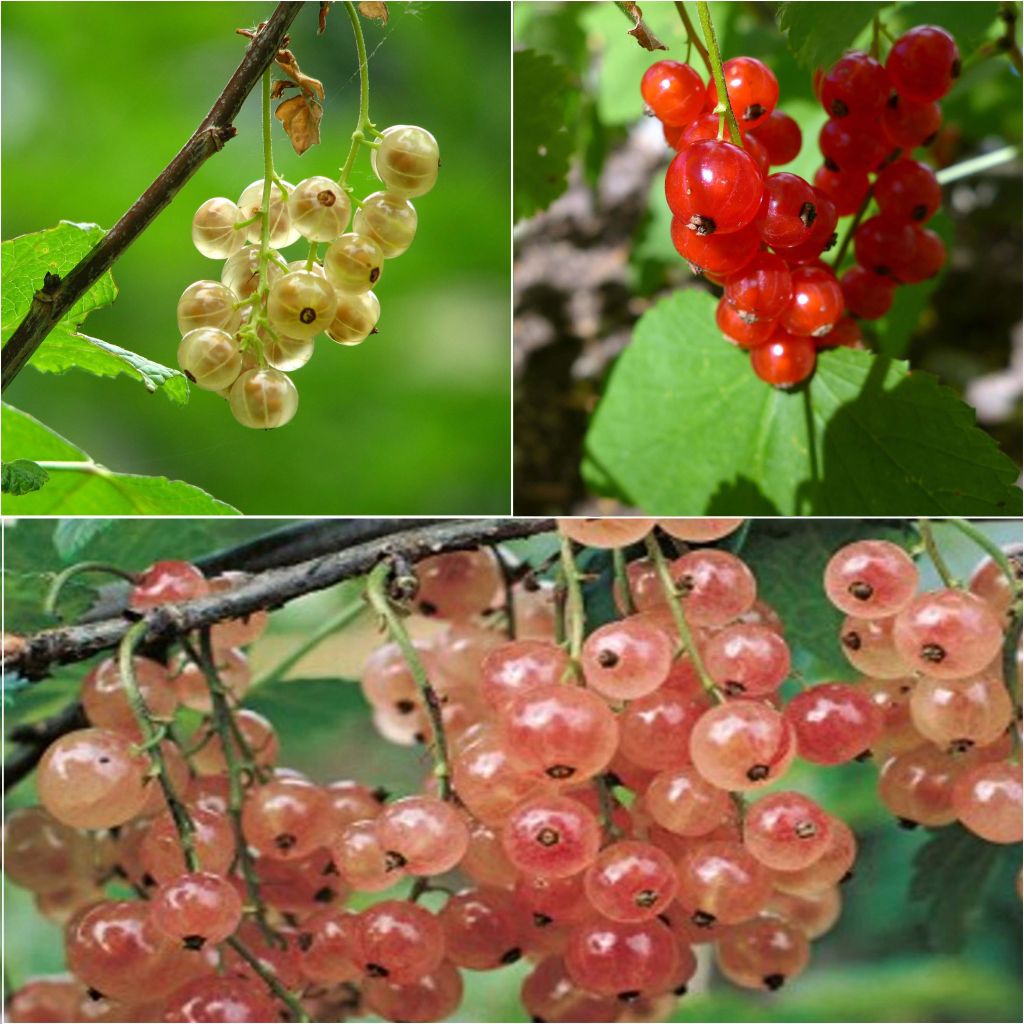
(739, 331)
(856, 85)
(867, 294)
(845, 334)
(846, 189)
(923, 63)
(908, 190)
(785, 360)
(833, 722)
(788, 210)
(714, 187)
(761, 290)
(620, 959)
(673, 91)
(716, 254)
(817, 303)
(780, 135)
(883, 245)
(926, 260)
(752, 87)
(852, 144)
(907, 124)
(820, 238)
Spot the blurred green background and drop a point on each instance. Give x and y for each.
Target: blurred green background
(890, 958)
(97, 97)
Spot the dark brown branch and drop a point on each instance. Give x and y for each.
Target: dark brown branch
(56, 295)
(270, 589)
(35, 737)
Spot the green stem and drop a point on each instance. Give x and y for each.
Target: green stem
(574, 610)
(724, 107)
(672, 597)
(977, 164)
(851, 228)
(327, 628)
(151, 741)
(924, 527)
(691, 35)
(622, 579)
(377, 595)
(364, 126)
(876, 42)
(992, 549)
(606, 805)
(62, 578)
(270, 980)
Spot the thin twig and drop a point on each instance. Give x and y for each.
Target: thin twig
(574, 609)
(622, 579)
(928, 539)
(691, 35)
(57, 295)
(724, 106)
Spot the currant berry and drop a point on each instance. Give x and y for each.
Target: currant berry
(196, 909)
(856, 84)
(241, 272)
(301, 304)
(551, 837)
(406, 159)
(481, 929)
(220, 998)
(961, 713)
(319, 209)
(916, 786)
(742, 745)
(714, 587)
(684, 802)
(654, 731)
(788, 210)
(362, 861)
(433, 996)
(871, 578)
(926, 261)
(814, 915)
(869, 647)
(208, 304)
(761, 290)
(987, 800)
(700, 531)
(263, 399)
(518, 666)
(214, 228)
(326, 947)
(784, 360)
(892, 698)
(616, 958)
(387, 219)
(831, 868)
(907, 124)
(673, 91)
(820, 238)
(355, 318)
(948, 634)
(626, 659)
(353, 263)
(45, 998)
(210, 358)
(287, 818)
(549, 994)
(398, 940)
(992, 585)
(845, 334)
(781, 137)
(714, 187)
(762, 953)
(883, 246)
(866, 294)
(105, 700)
(747, 660)
(427, 835)
(630, 881)
(786, 831)
(160, 855)
(715, 255)
(852, 144)
(282, 231)
(846, 189)
(458, 584)
(923, 63)
(721, 882)
(43, 854)
(908, 190)
(605, 533)
(752, 87)
(817, 303)
(557, 901)
(736, 330)
(833, 723)
(287, 354)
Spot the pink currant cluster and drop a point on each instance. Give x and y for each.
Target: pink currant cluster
(760, 235)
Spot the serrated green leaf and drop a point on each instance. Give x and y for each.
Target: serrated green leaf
(545, 97)
(22, 476)
(685, 428)
(79, 486)
(27, 259)
(817, 38)
(72, 536)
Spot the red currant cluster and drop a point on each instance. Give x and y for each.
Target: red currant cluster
(243, 334)
(593, 805)
(760, 235)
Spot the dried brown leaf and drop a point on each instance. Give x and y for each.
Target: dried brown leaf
(374, 10)
(640, 32)
(322, 23)
(301, 119)
(290, 66)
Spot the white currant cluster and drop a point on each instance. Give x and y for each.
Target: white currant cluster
(243, 334)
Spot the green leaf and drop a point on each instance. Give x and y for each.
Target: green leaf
(79, 486)
(22, 476)
(817, 38)
(27, 260)
(685, 428)
(72, 536)
(544, 101)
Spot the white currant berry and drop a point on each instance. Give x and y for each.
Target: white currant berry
(210, 358)
(319, 209)
(263, 399)
(355, 319)
(285, 353)
(353, 263)
(389, 219)
(282, 231)
(301, 265)
(241, 272)
(406, 160)
(208, 304)
(213, 228)
(301, 304)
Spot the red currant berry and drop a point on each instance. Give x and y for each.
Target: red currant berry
(780, 135)
(867, 295)
(833, 722)
(702, 129)
(788, 210)
(846, 189)
(845, 334)
(908, 190)
(752, 87)
(926, 260)
(817, 303)
(673, 91)
(737, 330)
(907, 124)
(761, 290)
(714, 186)
(821, 237)
(857, 85)
(785, 360)
(852, 144)
(923, 63)
(881, 244)
(715, 254)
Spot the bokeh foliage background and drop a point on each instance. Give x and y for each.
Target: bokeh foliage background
(952, 954)
(97, 97)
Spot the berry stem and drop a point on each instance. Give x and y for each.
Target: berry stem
(606, 804)
(574, 609)
(364, 130)
(851, 228)
(672, 597)
(151, 740)
(724, 107)
(377, 596)
(311, 258)
(993, 550)
(977, 164)
(508, 589)
(622, 578)
(876, 37)
(692, 39)
(270, 980)
(63, 577)
(924, 527)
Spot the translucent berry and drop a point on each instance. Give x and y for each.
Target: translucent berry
(630, 881)
(781, 137)
(870, 648)
(288, 354)
(747, 660)
(846, 189)
(457, 584)
(220, 998)
(700, 531)
(908, 124)
(282, 231)
(866, 294)
(884, 245)
(521, 665)
(923, 63)
(673, 91)
(406, 160)
(355, 318)
(785, 360)
(434, 996)
(361, 859)
(871, 578)
(160, 854)
(549, 994)
(814, 915)
(626, 659)
(716, 254)
(987, 800)
(622, 959)
(908, 190)
(654, 731)
(353, 263)
(263, 399)
(856, 84)
(210, 358)
(326, 947)
(208, 304)
(427, 834)
(788, 210)
(43, 854)
(742, 745)
(761, 290)
(892, 698)
(287, 818)
(196, 908)
(714, 586)
(992, 585)
(713, 187)
(961, 713)
(820, 238)
(605, 533)
(916, 786)
(398, 940)
(722, 882)
(319, 209)
(852, 144)
(214, 232)
(817, 303)
(301, 304)
(105, 700)
(684, 802)
(926, 260)
(786, 831)
(241, 273)
(845, 334)
(763, 953)
(389, 220)
(833, 722)
(752, 87)
(482, 929)
(44, 999)
(551, 837)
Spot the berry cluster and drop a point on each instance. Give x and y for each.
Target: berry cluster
(761, 234)
(243, 334)
(594, 805)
